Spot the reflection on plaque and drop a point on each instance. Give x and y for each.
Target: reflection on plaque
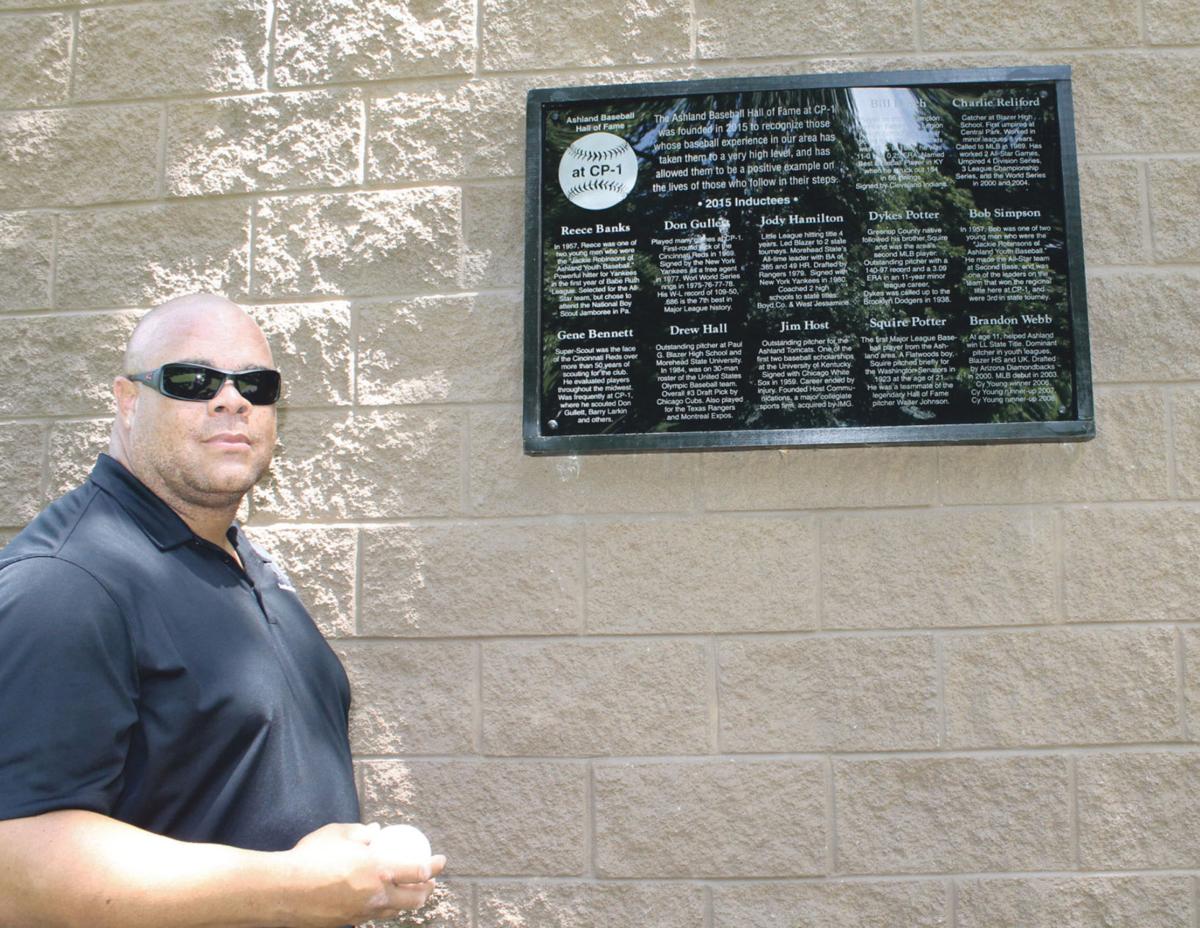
(835, 259)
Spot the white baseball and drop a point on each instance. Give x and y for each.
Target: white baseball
(405, 842)
(598, 170)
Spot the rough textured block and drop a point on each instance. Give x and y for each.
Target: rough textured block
(1186, 419)
(1191, 682)
(74, 447)
(410, 697)
(524, 35)
(268, 142)
(144, 255)
(386, 242)
(312, 347)
(199, 46)
(503, 481)
(362, 466)
(1174, 202)
(718, 819)
(1136, 101)
(1139, 811)
(1142, 324)
(449, 349)
(815, 478)
(479, 578)
(779, 27)
(22, 447)
(823, 905)
(946, 568)
(589, 905)
(1111, 204)
(1061, 687)
(320, 563)
(1131, 565)
(1086, 902)
(1172, 22)
(26, 248)
(350, 40)
(35, 59)
(595, 698)
(1128, 459)
(988, 24)
(828, 694)
(493, 248)
(61, 365)
(702, 576)
(67, 157)
(492, 818)
(914, 815)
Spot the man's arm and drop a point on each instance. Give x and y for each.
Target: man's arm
(77, 868)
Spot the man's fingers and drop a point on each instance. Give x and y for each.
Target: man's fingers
(437, 863)
(410, 895)
(363, 834)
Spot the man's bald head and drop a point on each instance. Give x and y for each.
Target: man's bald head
(163, 328)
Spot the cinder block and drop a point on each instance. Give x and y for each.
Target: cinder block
(1131, 565)
(526, 35)
(318, 41)
(270, 142)
(940, 568)
(139, 256)
(595, 698)
(320, 562)
(74, 447)
(26, 247)
(491, 817)
(1174, 203)
(778, 27)
(440, 349)
(828, 694)
(988, 24)
(1148, 902)
(35, 59)
(478, 578)
(1172, 22)
(22, 446)
(358, 244)
(590, 905)
(716, 575)
(1136, 101)
(410, 697)
(1111, 204)
(1185, 416)
(721, 819)
(1139, 811)
(493, 244)
(917, 815)
(311, 344)
(821, 905)
(61, 365)
(66, 157)
(160, 49)
(1128, 459)
(1142, 324)
(503, 481)
(340, 465)
(818, 478)
(1060, 686)
(1191, 681)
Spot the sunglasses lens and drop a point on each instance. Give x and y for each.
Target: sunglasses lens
(259, 387)
(190, 381)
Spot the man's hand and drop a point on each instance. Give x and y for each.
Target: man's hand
(351, 881)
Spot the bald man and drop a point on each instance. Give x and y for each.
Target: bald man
(173, 727)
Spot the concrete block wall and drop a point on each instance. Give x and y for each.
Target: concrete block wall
(894, 687)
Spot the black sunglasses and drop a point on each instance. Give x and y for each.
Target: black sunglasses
(183, 381)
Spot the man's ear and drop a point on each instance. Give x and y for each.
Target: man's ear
(125, 392)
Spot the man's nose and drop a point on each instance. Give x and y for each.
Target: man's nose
(229, 400)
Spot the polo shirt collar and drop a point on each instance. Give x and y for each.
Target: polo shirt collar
(158, 520)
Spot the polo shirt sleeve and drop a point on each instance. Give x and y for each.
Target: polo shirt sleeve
(68, 685)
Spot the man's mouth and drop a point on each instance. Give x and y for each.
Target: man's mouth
(228, 440)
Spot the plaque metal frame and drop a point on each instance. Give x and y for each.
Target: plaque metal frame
(1081, 428)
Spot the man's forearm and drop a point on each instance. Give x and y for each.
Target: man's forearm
(75, 867)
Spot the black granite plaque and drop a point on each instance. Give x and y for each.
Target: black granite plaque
(834, 259)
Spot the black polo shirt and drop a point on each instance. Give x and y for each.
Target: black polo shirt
(146, 676)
